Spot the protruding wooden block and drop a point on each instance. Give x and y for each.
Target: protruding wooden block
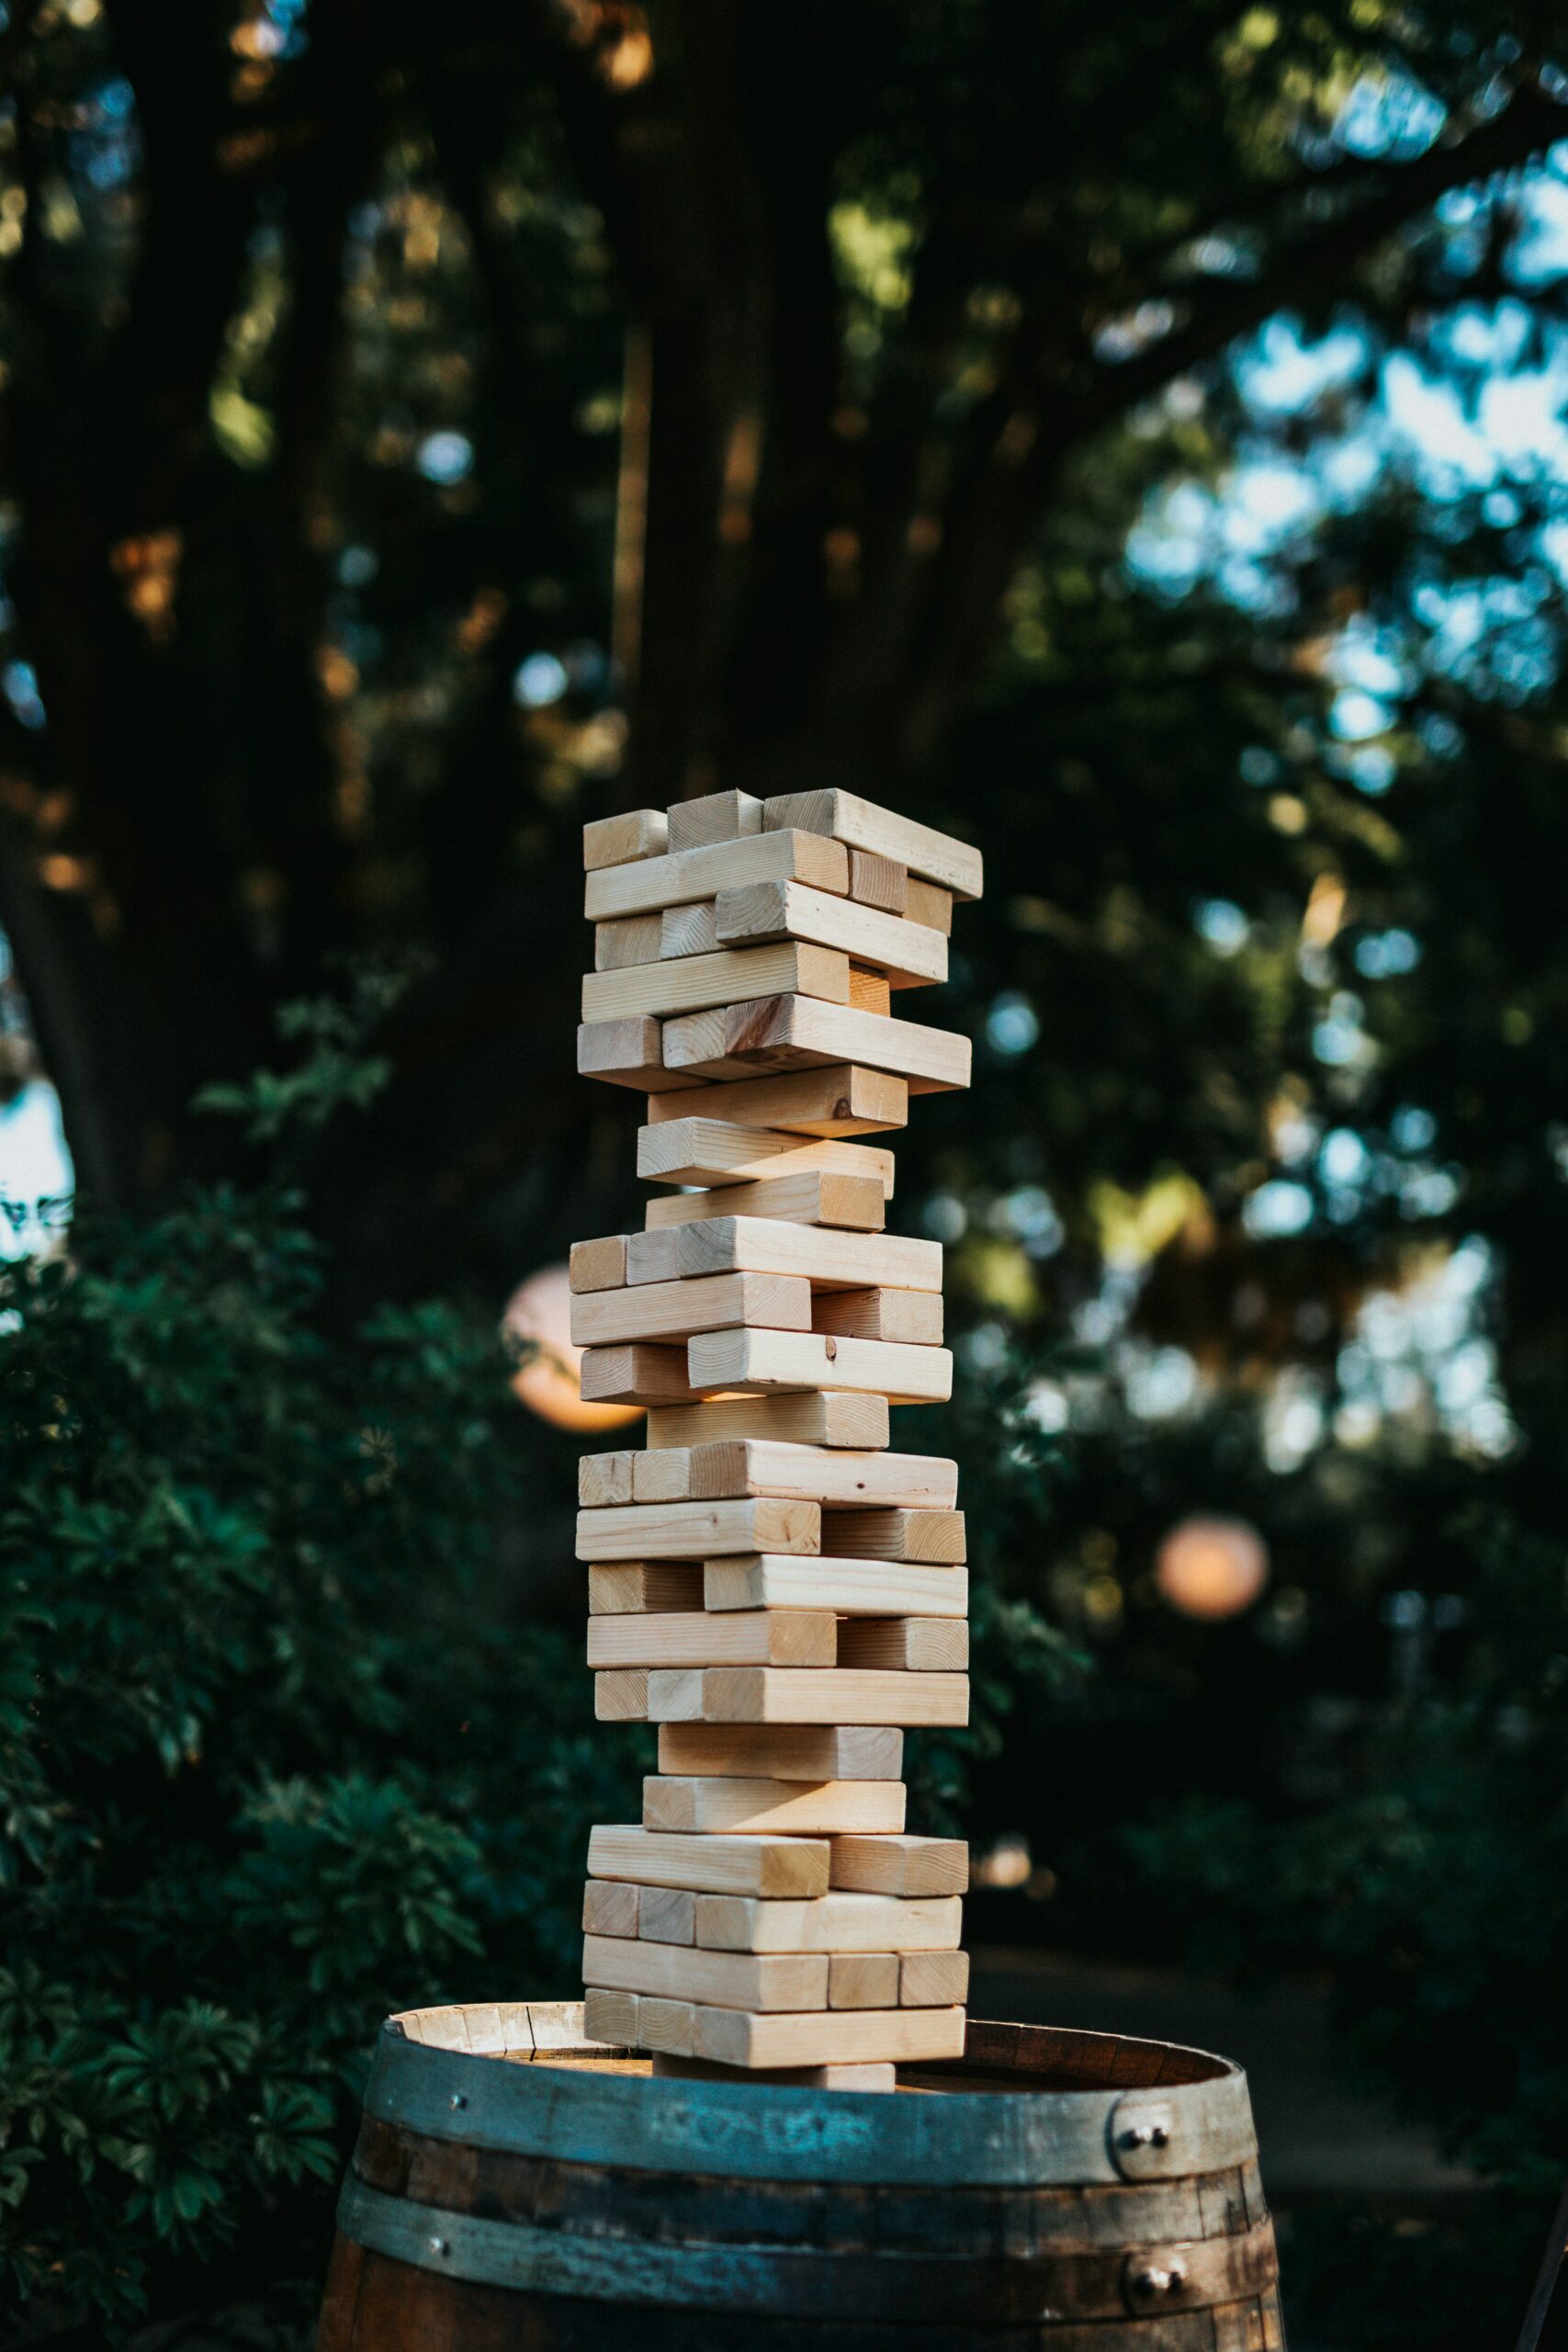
(645, 1587)
(627, 1053)
(635, 1376)
(765, 1694)
(761, 1866)
(874, 1588)
(832, 1923)
(817, 1197)
(828, 1259)
(821, 2038)
(936, 1536)
(698, 1531)
(738, 1980)
(930, 1980)
(869, 992)
(611, 2018)
(749, 1637)
(622, 1697)
(604, 1478)
(900, 1865)
(689, 875)
(910, 1645)
(837, 1100)
(879, 882)
(686, 931)
(661, 1478)
(654, 1257)
(721, 1151)
(862, 1980)
(618, 841)
(902, 1317)
(906, 953)
(803, 2078)
(746, 1359)
(927, 902)
(666, 2025)
(796, 1031)
(783, 1751)
(734, 976)
(666, 1914)
(861, 824)
(820, 1475)
(660, 1311)
(611, 1908)
(792, 1808)
(634, 940)
(599, 1265)
(717, 817)
(830, 1418)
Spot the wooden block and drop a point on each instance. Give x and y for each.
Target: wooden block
(635, 833)
(874, 1588)
(879, 882)
(934, 1535)
(688, 875)
(927, 902)
(862, 1980)
(635, 940)
(848, 2077)
(750, 1359)
(869, 992)
(783, 1752)
(906, 953)
(795, 1031)
(763, 1694)
(739, 1980)
(737, 1466)
(837, 1100)
(666, 1914)
(621, 1698)
(733, 977)
(822, 2038)
(610, 1908)
(792, 1808)
(763, 1866)
(699, 1041)
(721, 1151)
(822, 1417)
(665, 2026)
(611, 2018)
(698, 1531)
(645, 1587)
(627, 1053)
(604, 1478)
(684, 931)
(828, 1259)
(908, 1645)
(861, 824)
(928, 1980)
(675, 1310)
(717, 817)
(749, 1637)
(661, 1478)
(654, 1257)
(899, 1865)
(832, 1923)
(635, 1375)
(820, 1197)
(599, 1265)
(904, 1317)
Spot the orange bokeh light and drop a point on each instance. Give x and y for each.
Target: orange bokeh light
(549, 1384)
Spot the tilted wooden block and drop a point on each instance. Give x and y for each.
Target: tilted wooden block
(900, 1865)
(627, 1053)
(611, 1908)
(645, 1587)
(934, 1535)
(861, 824)
(698, 1531)
(657, 1311)
(904, 1317)
(915, 1645)
(598, 1265)
(793, 1032)
(634, 941)
(879, 882)
(636, 1374)
(765, 1866)
(828, 1261)
(831, 1923)
(835, 1100)
(766, 1694)
(783, 1751)
(716, 816)
(792, 1808)
(689, 875)
(810, 2038)
(862, 1980)
(753, 1359)
(930, 1980)
(617, 841)
(721, 1151)
(830, 1418)
(817, 1197)
(734, 976)
(749, 1637)
(905, 952)
(875, 1588)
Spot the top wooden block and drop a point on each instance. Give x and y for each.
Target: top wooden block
(617, 841)
(861, 824)
(717, 817)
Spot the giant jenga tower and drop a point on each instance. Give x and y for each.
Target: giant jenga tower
(768, 1583)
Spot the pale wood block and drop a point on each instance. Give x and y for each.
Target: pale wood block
(930, 1980)
(904, 1866)
(656, 1311)
(654, 1257)
(908, 1645)
(827, 1259)
(599, 1265)
(664, 1477)
(749, 1637)
(823, 1418)
(792, 1808)
(722, 1151)
(869, 992)
(716, 816)
(762, 1866)
(905, 953)
(699, 1045)
(634, 833)
(826, 2036)
(874, 1588)
(836, 1100)
(635, 1375)
(820, 1475)
(603, 1478)
(612, 2017)
(732, 977)
(666, 2025)
(761, 1694)
(819, 1197)
(861, 824)
(730, 1980)
(862, 1980)
(645, 1587)
(833, 1923)
(698, 1531)
(847, 2077)
(612, 1908)
(904, 1317)
(684, 931)
(927, 902)
(746, 1358)
(666, 1914)
(627, 1053)
(634, 940)
(687, 875)
(796, 1031)
(621, 1698)
(936, 1536)
(879, 882)
(783, 1752)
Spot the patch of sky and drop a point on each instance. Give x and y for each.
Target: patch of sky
(1276, 1209)
(1389, 115)
(1159, 1383)
(1030, 1215)
(1338, 1040)
(1280, 374)
(539, 681)
(1412, 1128)
(1012, 1025)
(445, 458)
(18, 681)
(1222, 923)
(1386, 955)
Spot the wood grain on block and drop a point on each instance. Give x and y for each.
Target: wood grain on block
(721, 1151)
(621, 1698)
(832, 1923)
(821, 2038)
(765, 1694)
(783, 1751)
(627, 1053)
(753, 1637)
(662, 1477)
(697, 1044)
(687, 875)
(645, 1587)
(636, 940)
(698, 1531)
(793, 1808)
(684, 931)
(930, 1980)
(732, 977)
(936, 1536)
(910, 1645)
(850, 1587)
(879, 881)
(828, 1259)
(716, 816)
(819, 1474)
(612, 1908)
(929, 903)
(658, 1311)
(830, 1418)
(819, 1197)
(746, 1358)
(617, 841)
(862, 1980)
(869, 992)
(665, 2026)
(793, 1032)
(604, 1478)
(610, 2017)
(762, 1866)
(861, 824)
(598, 1265)
(635, 1375)
(836, 1100)
(899, 1865)
(666, 1914)
(904, 1317)
(654, 1257)
(906, 953)
(734, 1980)
(800, 2078)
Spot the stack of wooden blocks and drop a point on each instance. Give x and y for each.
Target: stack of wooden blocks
(768, 1583)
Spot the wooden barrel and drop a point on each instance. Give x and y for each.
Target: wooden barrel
(516, 2187)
